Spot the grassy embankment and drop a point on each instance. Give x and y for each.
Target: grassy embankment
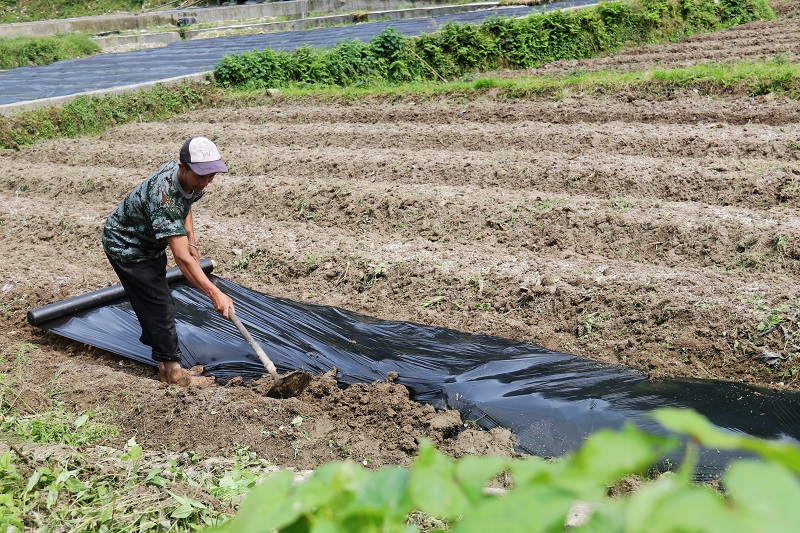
(30, 51)
(91, 116)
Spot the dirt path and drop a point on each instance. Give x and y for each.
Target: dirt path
(661, 234)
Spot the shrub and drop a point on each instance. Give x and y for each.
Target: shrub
(28, 10)
(460, 49)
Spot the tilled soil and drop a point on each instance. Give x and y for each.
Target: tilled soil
(659, 233)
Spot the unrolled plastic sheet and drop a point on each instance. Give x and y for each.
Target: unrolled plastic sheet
(551, 401)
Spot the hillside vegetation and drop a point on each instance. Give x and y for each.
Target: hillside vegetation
(30, 10)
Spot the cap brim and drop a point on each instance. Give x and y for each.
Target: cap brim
(208, 167)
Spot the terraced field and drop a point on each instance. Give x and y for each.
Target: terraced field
(659, 233)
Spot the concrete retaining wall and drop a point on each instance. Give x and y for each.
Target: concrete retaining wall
(315, 22)
(128, 22)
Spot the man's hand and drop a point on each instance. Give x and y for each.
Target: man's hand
(190, 267)
(222, 304)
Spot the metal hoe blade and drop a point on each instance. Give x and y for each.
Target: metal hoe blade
(290, 385)
(287, 386)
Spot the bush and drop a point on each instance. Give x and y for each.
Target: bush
(29, 10)
(460, 49)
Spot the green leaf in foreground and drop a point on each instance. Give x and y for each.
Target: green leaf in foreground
(269, 507)
(670, 505)
(383, 496)
(696, 426)
(186, 506)
(608, 455)
(433, 485)
(766, 494)
(474, 473)
(525, 510)
(346, 497)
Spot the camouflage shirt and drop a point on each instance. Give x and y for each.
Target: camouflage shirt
(137, 229)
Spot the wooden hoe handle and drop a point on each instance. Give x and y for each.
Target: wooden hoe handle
(253, 344)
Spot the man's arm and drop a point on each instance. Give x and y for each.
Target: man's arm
(190, 267)
(188, 223)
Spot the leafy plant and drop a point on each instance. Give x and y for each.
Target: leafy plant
(588, 324)
(433, 301)
(621, 204)
(57, 427)
(28, 10)
(307, 210)
(244, 259)
(73, 494)
(343, 496)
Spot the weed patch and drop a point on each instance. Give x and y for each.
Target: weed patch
(343, 494)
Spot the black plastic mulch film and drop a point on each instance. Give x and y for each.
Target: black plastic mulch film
(551, 401)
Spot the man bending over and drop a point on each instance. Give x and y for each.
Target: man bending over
(155, 215)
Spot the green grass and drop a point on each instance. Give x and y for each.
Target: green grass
(129, 490)
(60, 471)
(30, 51)
(93, 115)
(56, 426)
(746, 78)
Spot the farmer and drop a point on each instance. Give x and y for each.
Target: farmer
(157, 214)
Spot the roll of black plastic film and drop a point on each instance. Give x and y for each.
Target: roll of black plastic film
(100, 297)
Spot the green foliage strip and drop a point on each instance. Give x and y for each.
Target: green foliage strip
(343, 496)
(460, 49)
(91, 115)
(70, 494)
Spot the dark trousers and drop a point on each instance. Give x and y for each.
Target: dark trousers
(146, 286)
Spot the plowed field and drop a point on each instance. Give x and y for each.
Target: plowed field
(659, 233)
